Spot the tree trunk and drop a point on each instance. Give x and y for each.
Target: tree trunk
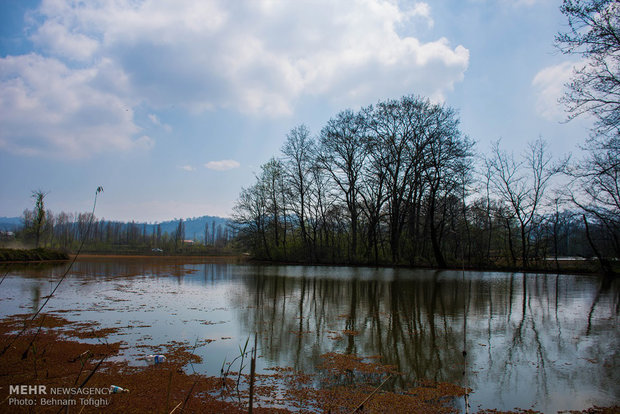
(523, 248)
(605, 266)
(441, 263)
(510, 246)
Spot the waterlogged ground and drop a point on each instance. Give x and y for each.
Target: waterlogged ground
(542, 342)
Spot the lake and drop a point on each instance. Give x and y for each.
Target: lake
(541, 341)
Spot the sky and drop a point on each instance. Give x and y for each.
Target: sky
(172, 106)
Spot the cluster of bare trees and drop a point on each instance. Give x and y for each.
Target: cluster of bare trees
(396, 182)
(594, 90)
(382, 184)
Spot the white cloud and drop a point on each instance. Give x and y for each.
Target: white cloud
(97, 61)
(154, 119)
(187, 168)
(550, 86)
(259, 57)
(46, 108)
(222, 165)
(157, 122)
(422, 10)
(57, 39)
(514, 3)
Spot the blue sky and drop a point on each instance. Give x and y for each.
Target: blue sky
(173, 106)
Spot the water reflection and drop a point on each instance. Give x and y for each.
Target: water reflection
(548, 342)
(543, 340)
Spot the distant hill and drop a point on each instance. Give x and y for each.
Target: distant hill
(194, 227)
(10, 223)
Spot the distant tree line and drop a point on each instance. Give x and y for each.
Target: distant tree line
(43, 228)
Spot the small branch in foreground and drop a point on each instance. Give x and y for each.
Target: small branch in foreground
(359, 407)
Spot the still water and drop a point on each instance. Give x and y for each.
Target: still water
(547, 342)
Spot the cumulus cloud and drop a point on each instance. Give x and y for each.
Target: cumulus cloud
(187, 168)
(514, 3)
(57, 39)
(46, 108)
(549, 84)
(222, 165)
(259, 58)
(422, 10)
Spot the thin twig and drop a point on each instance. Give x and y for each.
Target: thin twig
(25, 354)
(4, 277)
(188, 395)
(175, 408)
(87, 378)
(252, 374)
(82, 364)
(168, 392)
(371, 394)
(195, 382)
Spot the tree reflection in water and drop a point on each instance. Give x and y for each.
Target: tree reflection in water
(544, 341)
(530, 339)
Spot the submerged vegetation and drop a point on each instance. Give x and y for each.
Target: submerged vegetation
(57, 358)
(63, 354)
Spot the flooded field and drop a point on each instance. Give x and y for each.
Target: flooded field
(545, 342)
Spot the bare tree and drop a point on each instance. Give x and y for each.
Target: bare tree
(343, 153)
(593, 34)
(446, 167)
(373, 194)
(271, 175)
(396, 134)
(596, 187)
(249, 216)
(522, 184)
(298, 151)
(38, 216)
